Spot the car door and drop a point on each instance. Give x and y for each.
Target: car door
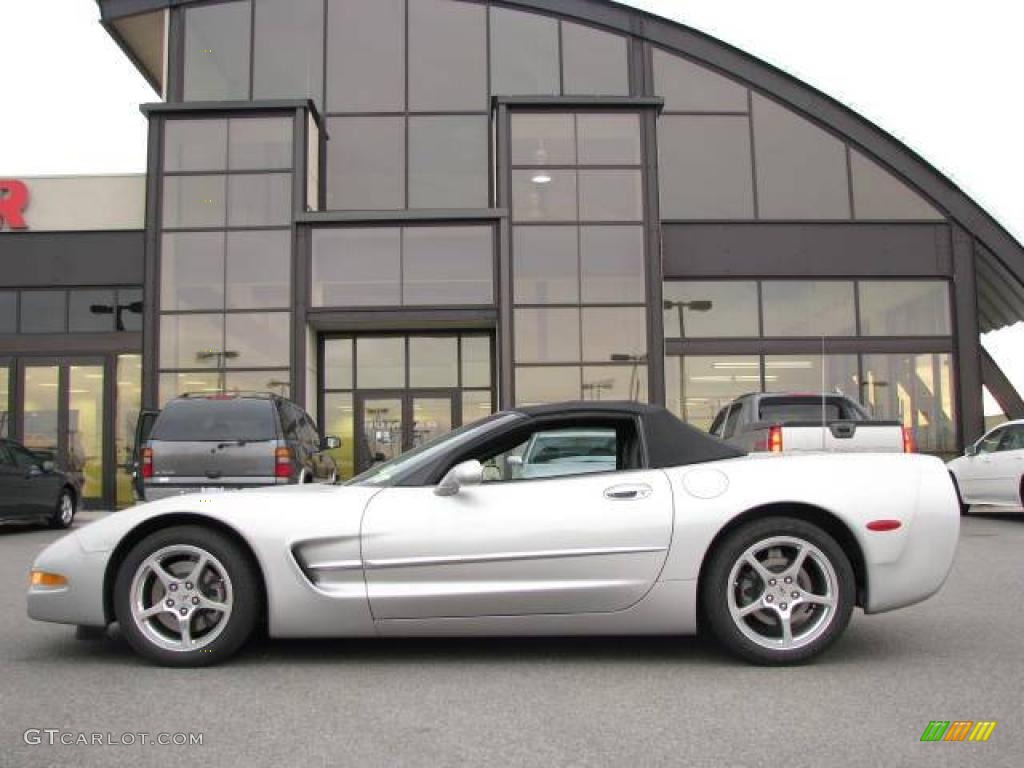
(573, 543)
(975, 474)
(36, 491)
(8, 483)
(1008, 463)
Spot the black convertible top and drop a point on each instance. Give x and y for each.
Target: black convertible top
(670, 442)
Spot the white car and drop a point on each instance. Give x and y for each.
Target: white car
(651, 527)
(992, 469)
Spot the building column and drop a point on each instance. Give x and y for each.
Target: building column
(967, 340)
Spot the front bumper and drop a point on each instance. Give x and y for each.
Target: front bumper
(80, 601)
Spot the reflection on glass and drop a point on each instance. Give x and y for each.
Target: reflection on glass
(524, 53)
(612, 265)
(549, 384)
(544, 195)
(616, 382)
(191, 341)
(194, 201)
(381, 362)
(260, 143)
(41, 399)
(710, 309)
(433, 361)
(836, 374)
(217, 44)
(288, 49)
(546, 265)
(808, 308)
(593, 62)
(448, 161)
(129, 403)
(547, 335)
(916, 390)
(697, 387)
(259, 269)
(447, 266)
(195, 145)
(260, 200)
(43, 312)
(608, 139)
(543, 139)
(173, 385)
(476, 405)
(687, 87)
(85, 427)
(381, 438)
(192, 270)
(366, 56)
(366, 163)
(257, 340)
(338, 372)
(339, 422)
(5, 400)
(276, 382)
(476, 362)
(431, 417)
(447, 56)
(8, 311)
(81, 318)
(610, 196)
(611, 333)
(904, 308)
(357, 267)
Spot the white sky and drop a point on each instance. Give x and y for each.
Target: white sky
(941, 75)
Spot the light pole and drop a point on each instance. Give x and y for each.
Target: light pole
(596, 387)
(634, 382)
(117, 310)
(221, 357)
(698, 305)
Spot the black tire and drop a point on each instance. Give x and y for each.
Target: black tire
(964, 508)
(245, 588)
(715, 592)
(63, 516)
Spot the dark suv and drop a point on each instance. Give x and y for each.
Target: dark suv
(218, 442)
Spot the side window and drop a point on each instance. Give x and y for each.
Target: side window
(990, 442)
(309, 433)
(1013, 439)
(732, 422)
(289, 421)
(717, 424)
(22, 458)
(5, 457)
(559, 453)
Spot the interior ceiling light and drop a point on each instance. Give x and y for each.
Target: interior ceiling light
(541, 178)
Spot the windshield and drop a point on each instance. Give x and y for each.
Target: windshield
(202, 419)
(392, 472)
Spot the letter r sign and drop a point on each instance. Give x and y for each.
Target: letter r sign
(13, 202)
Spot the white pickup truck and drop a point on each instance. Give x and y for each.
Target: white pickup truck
(790, 423)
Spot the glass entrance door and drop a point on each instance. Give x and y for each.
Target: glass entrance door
(388, 424)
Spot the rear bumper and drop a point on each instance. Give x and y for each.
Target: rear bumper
(157, 491)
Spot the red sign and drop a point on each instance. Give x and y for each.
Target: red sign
(13, 202)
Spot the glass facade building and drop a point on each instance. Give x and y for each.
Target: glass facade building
(407, 213)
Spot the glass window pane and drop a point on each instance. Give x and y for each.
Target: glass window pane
(258, 340)
(447, 56)
(808, 308)
(543, 139)
(43, 312)
(614, 334)
(191, 341)
(609, 139)
(173, 385)
(801, 169)
(544, 195)
(594, 62)
(687, 87)
(904, 308)
(338, 373)
(8, 311)
(288, 41)
(610, 196)
(85, 427)
(5, 400)
(258, 381)
(698, 387)
(524, 53)
(194, 201)
(476, 405)
(615, 382)
(878, 194)
(338, 422)
(195, 145)
(82, 318)
(259, 268)
(260, 200)
(217, 40)
(366, 56)
(366, 163)
(476, 362)
(380, 362)
(546, 265)
(192, 270)
(40, 407)
(612, 264)
(916, 390)
(129, 403)
(836, 374)
(704, 167)
(433, 361)
(710, 309)
(357, 267)
(550, 384)
(448, 265)
(130, 300)
(547, 336)
(260, 143)
(448, 162)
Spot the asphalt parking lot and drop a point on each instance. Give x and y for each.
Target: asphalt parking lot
(646, 701)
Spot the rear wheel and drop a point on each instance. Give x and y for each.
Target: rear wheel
(778, 591)
(187, 596)
(64, 514)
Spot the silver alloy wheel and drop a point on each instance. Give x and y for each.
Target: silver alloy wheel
(783, 593)
(181, 598)
(67, 509)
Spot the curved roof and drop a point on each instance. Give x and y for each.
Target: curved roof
(732, 62)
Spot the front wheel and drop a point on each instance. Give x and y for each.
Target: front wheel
(778, 591)
(187, 596)
(64, 514)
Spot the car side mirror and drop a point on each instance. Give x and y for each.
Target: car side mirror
(467, 473)
(972, 450)
(330, 443)
(48, 466)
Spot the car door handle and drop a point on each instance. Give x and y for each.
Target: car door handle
(627, 492)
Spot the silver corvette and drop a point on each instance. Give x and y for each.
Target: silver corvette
(582, 518)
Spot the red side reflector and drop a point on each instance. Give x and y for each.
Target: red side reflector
(775, 439)
(884, 525)
(908, 441)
